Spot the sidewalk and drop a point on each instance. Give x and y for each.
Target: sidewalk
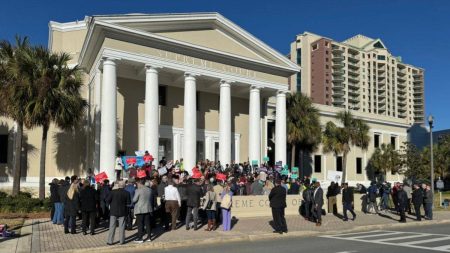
(47, 237)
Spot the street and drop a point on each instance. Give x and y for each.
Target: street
(423, 239)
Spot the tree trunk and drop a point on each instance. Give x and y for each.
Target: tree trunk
(17, 159)
(344, 168)
(300, 160)
(293, 155)
(42, 163)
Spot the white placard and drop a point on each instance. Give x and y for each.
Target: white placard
(335, 176)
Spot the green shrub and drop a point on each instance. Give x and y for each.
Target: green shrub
(22, 203)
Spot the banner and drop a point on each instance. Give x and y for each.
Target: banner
(141, 174)
(266, 159)
(221, 176)
(100, 177)
(132, 161)
(335, 176)
(254, 162)
(278, 166)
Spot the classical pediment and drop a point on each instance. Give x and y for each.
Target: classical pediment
(208, 34)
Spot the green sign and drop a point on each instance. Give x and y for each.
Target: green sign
(294, 172)
(266, 159)
(255, 162)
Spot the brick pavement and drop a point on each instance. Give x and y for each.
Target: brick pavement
(48, 237)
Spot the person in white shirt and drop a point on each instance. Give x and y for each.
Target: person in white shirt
(173, 202)
(118, 167)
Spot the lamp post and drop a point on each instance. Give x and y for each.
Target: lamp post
(431, 121)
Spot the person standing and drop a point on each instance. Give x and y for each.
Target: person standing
(307, 201)
(164, 220)
(58, 216)
(318, 203)
(428, 202)
(71, 207)
(417, 200)
(173, 203)
(227, 198)
(131, 189)
(402, 202)
(277, 198)
(408, 191)
(218, 189)
(104, 192)
(347, 201)
(372, 198)
(118, 167)
(88, 201)
(194, 194)
(210, 207)
(142, 210)
(54, 197)
(119, 200)
(331, 196)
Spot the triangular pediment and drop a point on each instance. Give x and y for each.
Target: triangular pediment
(208, 32)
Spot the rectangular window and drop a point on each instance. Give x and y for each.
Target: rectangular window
(318, 163)
(376, 140)
(3, 148)
(339, 163)
(162, 90)
(358, 165)
(315, 47)
(393, 142)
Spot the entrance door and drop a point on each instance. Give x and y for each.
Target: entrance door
(216, 151)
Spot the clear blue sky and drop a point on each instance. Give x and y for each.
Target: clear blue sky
(419, 31)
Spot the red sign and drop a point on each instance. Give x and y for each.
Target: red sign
(131, 160)
(141, 174)
(221, 176)
(100, 177)
(196, 174)
(148, 158)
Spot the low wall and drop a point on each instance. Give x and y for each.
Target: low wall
(257, 206)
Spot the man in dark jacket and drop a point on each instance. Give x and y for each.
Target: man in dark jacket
(347, 201)
(332, 192)
(318, 203)
(104, 192)
(277, 198)
(428, 202)
(131, 189)
(88, 203)
(54, 197)
(164, 219)
(402, 202)
(417, 200)
(194, 193)
(119, 200)
(307, 201)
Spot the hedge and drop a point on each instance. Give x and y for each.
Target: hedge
(23, 203)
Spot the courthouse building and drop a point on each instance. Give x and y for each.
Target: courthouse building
(193, 86)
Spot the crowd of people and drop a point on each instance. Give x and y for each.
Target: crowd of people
(167, 196)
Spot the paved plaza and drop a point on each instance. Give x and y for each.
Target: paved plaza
(42, 236)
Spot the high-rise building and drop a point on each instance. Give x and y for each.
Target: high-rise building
(358, 74)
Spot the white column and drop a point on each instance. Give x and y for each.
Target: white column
(225, 123)
(97, 115)
(254, 130)
(280, 128)
(108, 118)
(190, 123)
(151, 121)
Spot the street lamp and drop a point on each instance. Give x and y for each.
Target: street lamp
(430, 121)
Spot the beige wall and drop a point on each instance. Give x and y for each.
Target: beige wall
(70, 42)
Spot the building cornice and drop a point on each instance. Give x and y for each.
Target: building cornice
(98, 29)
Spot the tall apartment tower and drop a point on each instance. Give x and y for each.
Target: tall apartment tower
(358, 74)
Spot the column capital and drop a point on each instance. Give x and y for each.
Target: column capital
(110, 60)
(254, 88)
(225, 83)
(190, 75)
(282, 93)
(152, 68)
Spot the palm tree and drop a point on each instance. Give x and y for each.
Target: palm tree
(385, 159)
(57, 98)
(303, 126)
(339, 140)
(15, 91)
